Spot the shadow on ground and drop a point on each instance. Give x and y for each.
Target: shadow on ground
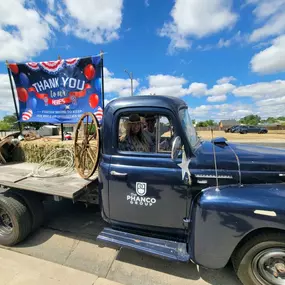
(76, 224)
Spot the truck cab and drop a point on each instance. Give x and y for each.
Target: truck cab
(166, 192)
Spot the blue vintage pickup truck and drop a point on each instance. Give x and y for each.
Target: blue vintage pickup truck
(206, 202)
(165, 192)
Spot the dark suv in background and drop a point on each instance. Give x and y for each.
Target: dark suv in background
(231, 129)
(250, 129)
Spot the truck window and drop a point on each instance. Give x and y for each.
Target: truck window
(151, 133)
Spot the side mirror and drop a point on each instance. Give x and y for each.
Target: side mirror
(176, 147)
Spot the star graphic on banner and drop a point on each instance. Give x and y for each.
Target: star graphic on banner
(67, 107)
(184, 165)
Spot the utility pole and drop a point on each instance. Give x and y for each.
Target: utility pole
(130, 74)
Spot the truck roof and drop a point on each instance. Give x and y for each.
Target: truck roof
(169, 102)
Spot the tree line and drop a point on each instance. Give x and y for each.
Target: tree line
(252, 120)
(9, 122)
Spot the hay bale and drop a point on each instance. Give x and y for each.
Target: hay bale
(36, 151)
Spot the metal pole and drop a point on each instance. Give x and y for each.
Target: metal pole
(102, 79)
(130, 74)
(61, 125)
(62, 135)
(14, 98)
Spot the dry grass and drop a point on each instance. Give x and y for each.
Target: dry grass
(272, 136)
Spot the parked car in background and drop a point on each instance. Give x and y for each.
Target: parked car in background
(231, 129)
(250, 129)
(67, 136)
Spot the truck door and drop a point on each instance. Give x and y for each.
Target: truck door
(145, 186)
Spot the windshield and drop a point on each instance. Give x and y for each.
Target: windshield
(188, 127)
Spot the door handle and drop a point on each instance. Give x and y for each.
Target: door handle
(115, 173)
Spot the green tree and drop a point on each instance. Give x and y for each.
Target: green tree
(10, 119)
(250, 120)
(210, 123)
(202, 124)
(271, 120)
(4, 126)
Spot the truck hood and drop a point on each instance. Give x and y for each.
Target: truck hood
(251, 157)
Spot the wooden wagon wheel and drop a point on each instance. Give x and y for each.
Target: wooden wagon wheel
(87, 145)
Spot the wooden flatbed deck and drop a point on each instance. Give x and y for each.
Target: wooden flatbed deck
(70, 186)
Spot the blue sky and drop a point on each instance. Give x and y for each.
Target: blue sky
(225, 58)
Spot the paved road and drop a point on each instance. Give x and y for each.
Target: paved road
(69, 238)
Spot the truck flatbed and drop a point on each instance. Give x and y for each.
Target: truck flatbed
(71, 186)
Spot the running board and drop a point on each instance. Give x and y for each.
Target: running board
(171, 250)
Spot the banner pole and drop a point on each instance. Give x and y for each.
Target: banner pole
(62, 135)
(102, 78)
(61, 125)
(14, 98)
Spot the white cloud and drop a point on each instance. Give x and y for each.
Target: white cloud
(177, 41)
(261, 90)
(165, 85)
(175, 86)
(223, 43)
(146, 3)
(97, 28)
(50, 4)
(107, 72)
(193, 18)
(220, 111)
(238, 38)
(273, 13)
(218, 98)
(272, 59)
(226, 79)
(266, 8)
(23, 33)
(119, 86)
(198, 89)
(52, 21)
(221, 89)
(6, 99)
(161, 80)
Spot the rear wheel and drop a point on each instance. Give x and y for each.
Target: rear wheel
(261, 261)
(15, 220)
(33, 202)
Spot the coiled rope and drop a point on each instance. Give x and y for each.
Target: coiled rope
(49, 167)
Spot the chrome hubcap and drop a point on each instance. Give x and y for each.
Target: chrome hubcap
(269, 266)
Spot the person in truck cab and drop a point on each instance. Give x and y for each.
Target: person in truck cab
(135, 138)
(150, 127)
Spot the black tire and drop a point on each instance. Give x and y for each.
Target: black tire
(34, 204)
(20, 221)
(245, 260)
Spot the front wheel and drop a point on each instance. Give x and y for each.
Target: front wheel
(261, 260)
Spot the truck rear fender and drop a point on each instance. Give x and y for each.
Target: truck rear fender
(222, 219)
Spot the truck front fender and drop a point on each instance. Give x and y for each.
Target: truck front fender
(222, 218)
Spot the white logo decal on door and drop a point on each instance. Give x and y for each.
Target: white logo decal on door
(139, 198)
(141, 188)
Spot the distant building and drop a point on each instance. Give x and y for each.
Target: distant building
(223, 124)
